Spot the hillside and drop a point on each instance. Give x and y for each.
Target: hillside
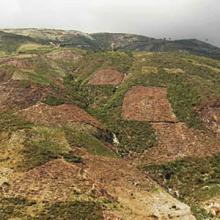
(108, 134)
(116, 41)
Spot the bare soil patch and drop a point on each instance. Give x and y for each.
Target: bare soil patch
(116, 180)
(176, 141)
(64, 55)
(147, 104)
(14, 96)
(107, 77)
(4, 75)
(61, 114)
(20, 63)
(56, 180)
(134, 191)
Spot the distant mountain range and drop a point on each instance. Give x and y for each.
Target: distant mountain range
(10, 39)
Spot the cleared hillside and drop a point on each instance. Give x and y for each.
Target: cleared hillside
(108, 134)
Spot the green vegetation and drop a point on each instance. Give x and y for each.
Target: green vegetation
(183, 98)
(81, 137)
(11, 42)
(77, 210)
(43, 144)
(190, 81)
(34, 48)
(11, 122)
(13, 208)
(196, 180)
(53, 100)
(134, 136)
(101, 60)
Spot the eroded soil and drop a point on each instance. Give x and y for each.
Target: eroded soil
(61, 114)
(147, 104)
(107, 77)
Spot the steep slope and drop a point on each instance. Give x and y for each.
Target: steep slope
(9, 42)
(82, 135)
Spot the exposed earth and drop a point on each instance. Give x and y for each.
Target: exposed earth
(147, 104)
(107, 134)
(106, 77)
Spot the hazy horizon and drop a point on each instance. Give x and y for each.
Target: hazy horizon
(180, 19)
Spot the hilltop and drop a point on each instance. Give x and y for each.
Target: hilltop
(100, 134)
(112, 41)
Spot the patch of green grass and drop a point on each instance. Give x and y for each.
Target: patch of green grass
(77, 210)
(184, 97)
(14, 208)
(43, 144)
(34, 48)
(200, 213)
(89, 97)
(196, 180)
(11, 42)
(37, 153)
(53, 100)
(133, 136)
(11, 122)
(82, 138)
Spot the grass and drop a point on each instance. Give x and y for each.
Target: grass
(19, 208)
(100, 60)
(133, 136)
(34, 48)
(10, 122)
(196, 180)
(11, 42)
(43, 144)
(14, 208)
(77, 210)
(53, 100)
(183, 97)
(83, 138)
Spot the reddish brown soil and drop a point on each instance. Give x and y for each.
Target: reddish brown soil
(54, 115)
(64, 55)
(4, 75)
(14, 96)
(115, 172)
(176, 141)
(147, 104)
(21, 63)
(114, 180)
(210, 115)
(107, 77)
(57, 180)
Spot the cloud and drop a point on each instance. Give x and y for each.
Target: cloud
(157, 18)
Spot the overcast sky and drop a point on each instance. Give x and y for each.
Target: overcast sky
(156, 18)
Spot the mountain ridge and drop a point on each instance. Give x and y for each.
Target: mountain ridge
(116, 41)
